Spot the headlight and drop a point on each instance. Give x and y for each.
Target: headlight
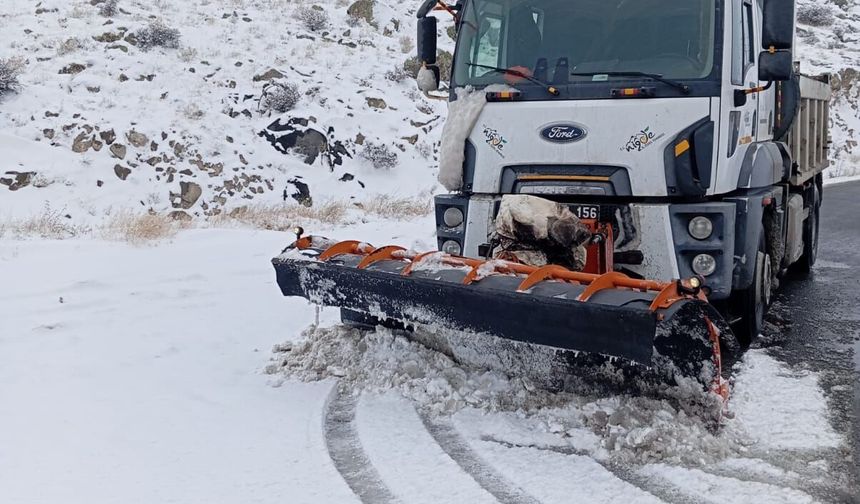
(451, 247)
(701, 228)
(452, 217)
(704, 264)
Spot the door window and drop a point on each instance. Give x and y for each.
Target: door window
(487, 49)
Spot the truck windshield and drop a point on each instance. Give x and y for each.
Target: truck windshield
(672, 38)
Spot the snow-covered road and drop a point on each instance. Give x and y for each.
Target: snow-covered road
(139, 374)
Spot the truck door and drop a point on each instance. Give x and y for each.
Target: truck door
(741, 119)
(743, 72)
(766, 100)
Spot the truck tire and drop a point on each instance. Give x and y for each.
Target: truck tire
(810, 239)
(751, 304)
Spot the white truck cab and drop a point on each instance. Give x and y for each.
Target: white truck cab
(684, 124)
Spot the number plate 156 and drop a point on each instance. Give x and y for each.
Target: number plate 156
(586, 212)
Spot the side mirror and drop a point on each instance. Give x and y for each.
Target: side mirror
(777, 24)
(775, 66)
(427, 40)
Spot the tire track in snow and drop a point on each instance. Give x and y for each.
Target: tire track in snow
(666, 493)
(344, 448)
(452, 443)
(804, 483)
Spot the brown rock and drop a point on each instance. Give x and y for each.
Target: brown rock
(139, 140)
(362, 9)
(73, 68)
(49, 133)
(118, 150)
(82, 143)
(377, 103)
(17, 180)
(107, 37)
(268, 75)
(121, 172)
(359, 139)
(108, 136)
(190, 194)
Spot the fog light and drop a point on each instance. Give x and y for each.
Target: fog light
(701, 228)
(453, 217)
(451, 247)
(704, 264)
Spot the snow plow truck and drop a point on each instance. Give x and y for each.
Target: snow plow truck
(629, 180)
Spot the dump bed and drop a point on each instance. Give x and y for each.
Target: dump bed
(809, 138)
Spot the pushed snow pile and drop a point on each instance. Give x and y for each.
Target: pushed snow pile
(382, 360)
(608, 426)
(618, 426)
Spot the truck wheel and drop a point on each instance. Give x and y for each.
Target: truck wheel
(752, 302)
(810, 241)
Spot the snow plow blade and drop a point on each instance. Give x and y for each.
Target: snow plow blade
(668, 326)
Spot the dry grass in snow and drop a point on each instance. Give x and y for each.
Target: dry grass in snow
(123, 226)
(48, 223)
(391, 207)
(283, 217)
(333, 212)
(140, 228)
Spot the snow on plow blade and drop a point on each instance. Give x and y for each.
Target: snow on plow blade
(669, 326)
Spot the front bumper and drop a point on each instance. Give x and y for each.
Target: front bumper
(658, 231)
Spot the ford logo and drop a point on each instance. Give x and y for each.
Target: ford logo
(562, 133)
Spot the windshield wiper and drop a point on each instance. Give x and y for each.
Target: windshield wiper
(510, 71)
(657, 77)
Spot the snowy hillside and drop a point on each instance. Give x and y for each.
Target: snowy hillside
(188, 107)
(829, 42)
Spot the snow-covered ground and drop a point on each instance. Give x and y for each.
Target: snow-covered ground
(146, 374)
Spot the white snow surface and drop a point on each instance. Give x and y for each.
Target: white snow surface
(146, 372)
(134, 375)
(766, 386)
